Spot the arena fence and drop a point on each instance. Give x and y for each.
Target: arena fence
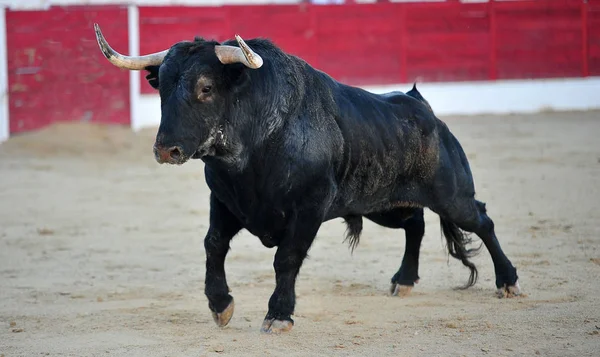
(471, 58)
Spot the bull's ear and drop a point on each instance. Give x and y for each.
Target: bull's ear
(152, 76)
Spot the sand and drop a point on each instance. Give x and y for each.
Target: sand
(101, 254)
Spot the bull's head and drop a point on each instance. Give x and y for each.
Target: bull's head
(196, 81)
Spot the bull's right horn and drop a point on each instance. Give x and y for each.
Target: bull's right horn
(243, 54)
(127, 62)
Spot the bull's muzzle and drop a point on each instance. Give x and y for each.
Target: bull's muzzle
(173, 155)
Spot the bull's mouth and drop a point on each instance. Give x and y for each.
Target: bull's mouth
(182, 159)
(179, 159)
(175, 155)
(198, 155)
(202, 152)
(207, 148)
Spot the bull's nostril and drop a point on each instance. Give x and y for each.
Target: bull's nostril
(175, 153)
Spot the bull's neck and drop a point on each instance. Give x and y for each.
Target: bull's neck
(258, 116)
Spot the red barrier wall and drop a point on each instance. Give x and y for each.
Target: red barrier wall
(288, 26)
(56, 71)
(359, 44)
(447, 42)
(402, 42)
(539, 39)
(592, 49)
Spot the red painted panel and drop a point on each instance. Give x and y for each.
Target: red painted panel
(288, 26)
(161, 27)
(593, 28)
(447, 41)
(382, 43)
(327, 37)
(538, 39)
(356, 44)
(56, 71)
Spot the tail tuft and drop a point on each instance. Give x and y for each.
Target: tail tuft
(457, 242)
(355, 225)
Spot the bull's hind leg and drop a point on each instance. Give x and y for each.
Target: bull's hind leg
(470, 215)
(412, 221)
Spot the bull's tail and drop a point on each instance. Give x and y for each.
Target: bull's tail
(355, 225)
(457, 248)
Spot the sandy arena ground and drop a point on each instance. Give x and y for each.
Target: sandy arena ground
(101, 254)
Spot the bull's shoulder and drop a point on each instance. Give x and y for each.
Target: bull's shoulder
(312, 137)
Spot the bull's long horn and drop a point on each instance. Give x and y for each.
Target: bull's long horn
(128, 62)
(243, 54)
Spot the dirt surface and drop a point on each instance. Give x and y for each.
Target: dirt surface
(101, 254)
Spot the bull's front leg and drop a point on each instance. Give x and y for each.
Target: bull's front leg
(292, 250)
(223, 226)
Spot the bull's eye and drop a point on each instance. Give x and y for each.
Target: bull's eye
(206, 89)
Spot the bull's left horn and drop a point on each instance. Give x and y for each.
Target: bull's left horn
(243, 54)
(128, 62)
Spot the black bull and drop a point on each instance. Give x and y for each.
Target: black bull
(286, 148)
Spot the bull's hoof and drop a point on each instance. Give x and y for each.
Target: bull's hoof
(276, 326)
(222, 318)
(401, 290)
(509, 291)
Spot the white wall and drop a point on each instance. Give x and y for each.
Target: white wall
(3, 79)
(469, 98)
(133, 31)
(506, 97)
